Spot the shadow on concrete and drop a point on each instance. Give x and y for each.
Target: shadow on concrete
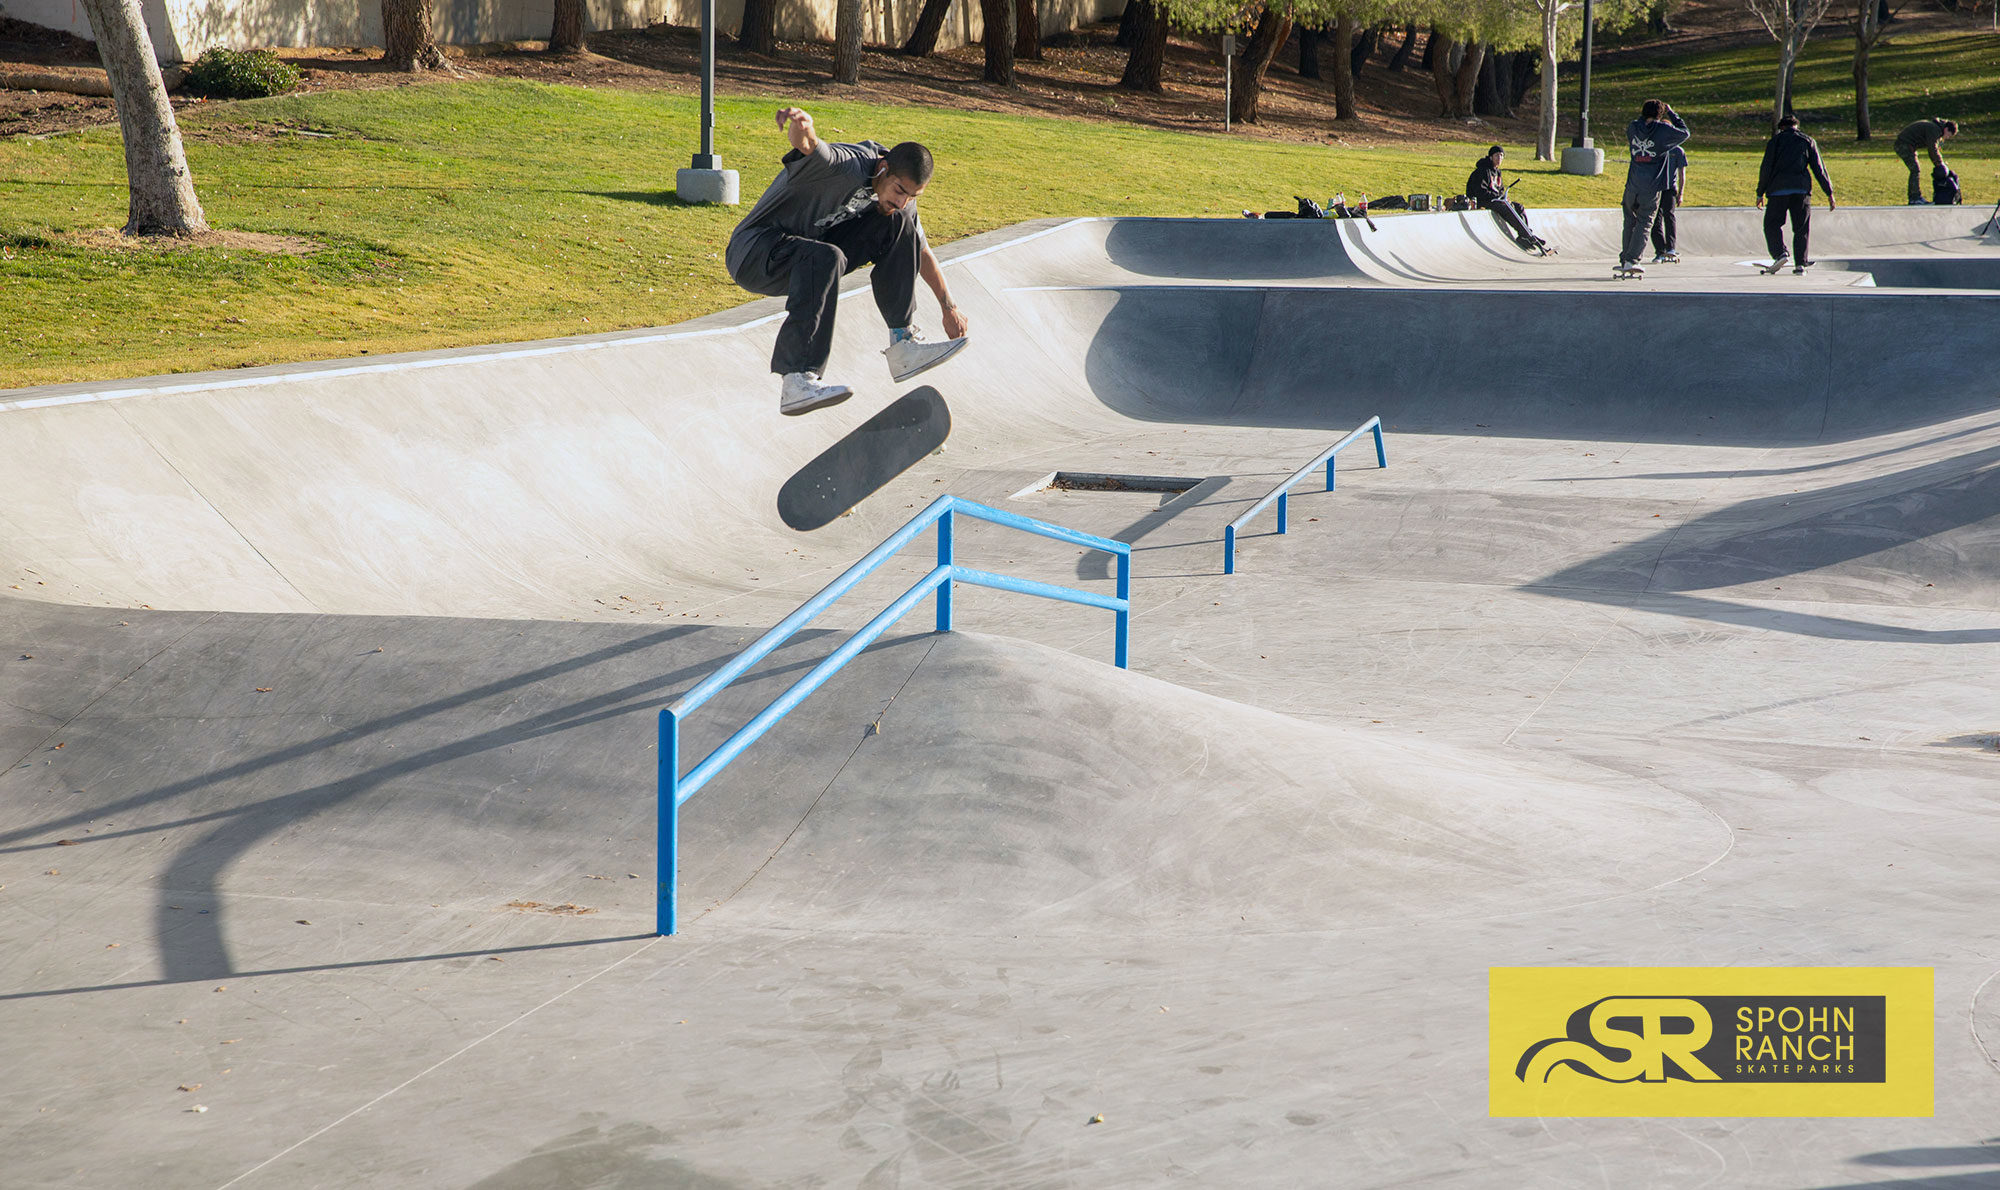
(1947, 504)
(317, 968)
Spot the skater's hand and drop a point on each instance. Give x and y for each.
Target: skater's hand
(955, 323)
(798, 126)
(1830, 204)
(1760, 203)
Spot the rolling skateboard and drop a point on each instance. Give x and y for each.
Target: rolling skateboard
(1627, 272)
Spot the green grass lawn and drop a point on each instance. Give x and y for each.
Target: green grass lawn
(463, 213)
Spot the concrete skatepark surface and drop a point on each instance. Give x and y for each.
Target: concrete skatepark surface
(1665, 639)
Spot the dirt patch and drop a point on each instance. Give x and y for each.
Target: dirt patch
(105, 239)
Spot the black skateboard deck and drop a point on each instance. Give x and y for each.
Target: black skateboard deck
(859, 465)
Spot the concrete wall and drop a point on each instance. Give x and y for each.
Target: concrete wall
(182, 29)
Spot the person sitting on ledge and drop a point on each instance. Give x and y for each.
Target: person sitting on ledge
(1485, 189)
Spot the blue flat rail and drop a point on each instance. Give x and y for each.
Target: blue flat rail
(675, 788)
(1278, 494)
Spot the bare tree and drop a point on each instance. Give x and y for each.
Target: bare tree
(566, 32)
(998, 40)
(163, 201)
(847, 41)
(407, 41)
(1790, 22)
(757, 32)
(1866, 24)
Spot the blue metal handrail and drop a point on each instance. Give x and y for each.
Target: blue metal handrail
(675, 789)
(1278, 493)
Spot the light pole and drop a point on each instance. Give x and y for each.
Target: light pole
(707, 181)
(1582, 157)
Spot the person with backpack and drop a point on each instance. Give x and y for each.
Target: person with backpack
(1666, 233)
(1657, 130)
(1926, 135)
(1791, 165)
(1485, 189)
(834, 208)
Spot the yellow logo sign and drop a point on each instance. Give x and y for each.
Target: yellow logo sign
(1709, 1041)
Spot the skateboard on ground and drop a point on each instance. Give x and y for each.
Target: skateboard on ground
(1628, 272)
(1778, 266)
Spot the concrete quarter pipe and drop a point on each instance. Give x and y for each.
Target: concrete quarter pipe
(1666, 639)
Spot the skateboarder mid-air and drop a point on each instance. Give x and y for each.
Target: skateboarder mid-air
(834, 208)
(1791, 165)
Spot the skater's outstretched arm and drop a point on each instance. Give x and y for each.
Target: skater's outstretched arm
(956, 325)
(798, 126)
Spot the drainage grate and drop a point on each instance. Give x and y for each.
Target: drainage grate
(1099, 481)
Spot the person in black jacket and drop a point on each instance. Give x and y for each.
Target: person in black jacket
(1791, 164)
(1485, 189)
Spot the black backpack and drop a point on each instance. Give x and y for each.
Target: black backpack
(1944, 187)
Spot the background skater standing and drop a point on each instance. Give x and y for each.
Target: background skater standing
(1658, 129)
(1791, 164)
(834, 208)
(1666, 232)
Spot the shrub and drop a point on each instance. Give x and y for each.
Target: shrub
(244, 74)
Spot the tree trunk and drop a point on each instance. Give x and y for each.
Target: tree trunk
(1783, 100)
(1128, 24)
(758, 31)
(1545, 121)
(407, 43)
(1527, 70)
(923, 37)
(1403, 52)
(566, 33)
(847, 41)
(163, 201)
(1467, 78)
(1343, 67)
(999, 40)
(1027, 31)
(1437, 55)
(1247, 69)
(1144, 67)
(1862, 128)
(1488, 89)
(1309, 39)
(1364, 46)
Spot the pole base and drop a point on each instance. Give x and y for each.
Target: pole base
(1588, 162)
(706, 185)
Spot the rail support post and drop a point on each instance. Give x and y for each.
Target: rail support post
(1122, 647)
(668, 846)
(944, 557)
(1229, 549)
(1281, 513)
(1381, 455)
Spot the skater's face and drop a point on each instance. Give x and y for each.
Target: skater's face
(894, 192)
(1496, 159)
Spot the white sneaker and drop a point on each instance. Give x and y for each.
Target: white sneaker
(805, 391)
(911, 355)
